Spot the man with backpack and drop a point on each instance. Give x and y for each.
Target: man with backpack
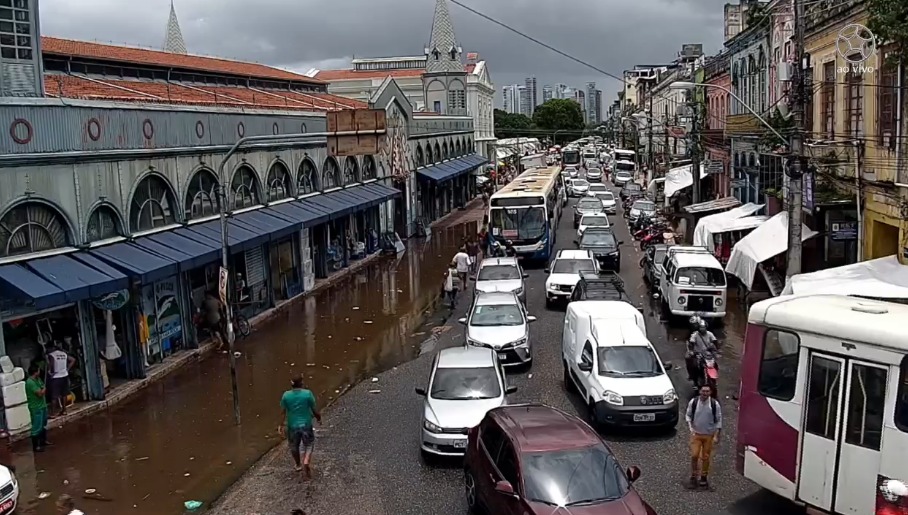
(704, 419)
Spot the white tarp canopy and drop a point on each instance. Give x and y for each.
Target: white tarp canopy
(679, 178)
(766, 241)
(714, 224)
(883, 278)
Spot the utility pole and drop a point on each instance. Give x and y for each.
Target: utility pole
(649, 134)
(797, 163)
(694, 139)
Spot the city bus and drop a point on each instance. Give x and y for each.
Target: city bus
(526, 212)
(823, 413)
(570, 157)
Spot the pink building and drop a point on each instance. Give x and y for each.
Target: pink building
(716, 143)
(782, 30)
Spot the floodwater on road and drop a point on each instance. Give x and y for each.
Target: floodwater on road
(176, 440)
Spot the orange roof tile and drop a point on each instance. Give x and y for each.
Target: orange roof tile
(470, 67)
(144, 56)
(69, 86)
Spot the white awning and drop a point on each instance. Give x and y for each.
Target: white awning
(883, 278)
(714, 224)
(679, 178)
(766, 241)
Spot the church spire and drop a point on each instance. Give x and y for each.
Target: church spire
(443, 54)
(173, 41)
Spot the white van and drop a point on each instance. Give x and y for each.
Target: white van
(608, 359)
(693, 283)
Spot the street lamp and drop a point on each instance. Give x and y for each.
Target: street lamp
(689, 86)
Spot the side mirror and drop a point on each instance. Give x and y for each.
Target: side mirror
(585, 367)
(504, 487)
(510, 389)
(526, 276)
(462, 321)
(633, 474)
(531, 318)
(668, 365)
(621, 242)
(546, 269)
(577, 243)
(421, 392)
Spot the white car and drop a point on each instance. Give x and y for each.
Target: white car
(622, 178)
(501, 274)
(499, 321)
(9, 491)
(564, 273)
(587, 221)
(646, 208)
(609, 204)
(572, 171)
(579, 187)
(465, 383)
(594, 174)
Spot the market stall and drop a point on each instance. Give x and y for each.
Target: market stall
(882, 278)
(765, 242)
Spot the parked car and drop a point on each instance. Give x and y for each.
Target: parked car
(465, 383)
(630, 188)
(501, 274)
(652, 264)
(532, 459)
(609, 204)
(9, 491)
(594, 174)
(579, 187)
(499, 321)
(564, 273)
(588, 221)
(623, 177)
(644, 207)
(603, 245)
(605, 285)
(586, 206)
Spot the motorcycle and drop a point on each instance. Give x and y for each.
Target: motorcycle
(707, 373)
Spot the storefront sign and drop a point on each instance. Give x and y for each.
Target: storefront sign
(843, 230)
(223, 276)
(714, 167)
(112, 301)
(161, 309)
(809, 183)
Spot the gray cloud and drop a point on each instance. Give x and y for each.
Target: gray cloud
(613, 35)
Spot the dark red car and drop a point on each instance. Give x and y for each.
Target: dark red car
(528, 459)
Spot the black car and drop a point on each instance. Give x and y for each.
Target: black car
(629, 189)
(600, 286)
(602, 243)
(651, 262)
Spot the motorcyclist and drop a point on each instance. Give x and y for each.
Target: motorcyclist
(509, 250)
(702, 342)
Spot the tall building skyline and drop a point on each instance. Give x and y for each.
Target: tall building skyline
(547, 93)
(530, 84)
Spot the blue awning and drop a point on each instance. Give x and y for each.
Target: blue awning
(297, 211)
(18, 282)
(137, 261)
(372, 194)
(78, 280)
(188, 254)
(450, 169)
(331, 205)
(271, 226)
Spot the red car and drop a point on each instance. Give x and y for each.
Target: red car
(530, 459)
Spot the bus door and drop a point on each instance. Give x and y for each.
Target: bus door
(841, 434)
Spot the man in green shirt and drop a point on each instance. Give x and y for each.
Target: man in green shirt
(37, 407)
(298, 409)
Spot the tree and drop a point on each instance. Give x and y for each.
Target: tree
(509, 125)
(559, 114)
(888, 20)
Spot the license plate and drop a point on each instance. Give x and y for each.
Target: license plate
(460, 444)
(502, 356)
(5, 506)
(644, 417)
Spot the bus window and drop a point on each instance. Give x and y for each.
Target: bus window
(866, 399)
(779, 365)
(824, 376)
(901, 401)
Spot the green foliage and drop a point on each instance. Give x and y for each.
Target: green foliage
(782, 125)
(888, 20)
(512, 125)
(559, 114)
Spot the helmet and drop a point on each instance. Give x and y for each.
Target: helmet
(701, 325)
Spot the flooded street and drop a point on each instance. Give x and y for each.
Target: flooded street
(177, 441)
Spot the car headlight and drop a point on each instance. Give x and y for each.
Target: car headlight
(430, 427)
(553, 287)
(719, 302)
(474, 343)
(523, 342)
(669, 397)
(681, 300)
(519, 291)
(613, 398)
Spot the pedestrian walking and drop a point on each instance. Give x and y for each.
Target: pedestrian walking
(36, 396)
(59, 363)
(704, 419)
(450, 286)
(67, 506)
(462, 260)
(473, 252)
(298, 409)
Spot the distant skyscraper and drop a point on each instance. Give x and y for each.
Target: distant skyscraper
(597, 106)
(547, 93)
(592, 115)
(526, 106)
(511, 97)
(563, 91)
(580, 98)
(530, 84)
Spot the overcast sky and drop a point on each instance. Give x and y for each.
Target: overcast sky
(613, 35)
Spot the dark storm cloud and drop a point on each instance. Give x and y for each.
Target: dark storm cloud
(611, 34)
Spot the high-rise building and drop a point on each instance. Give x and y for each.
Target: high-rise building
(526, 106)
(511, 97)
(563, 91)
(592, 115)
(530, 84)
(580, 98)
(547, 93)
(597, 107)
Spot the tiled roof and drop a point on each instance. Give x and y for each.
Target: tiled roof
(470, 67)
(70, 86)
(349, 74)
(158, 58)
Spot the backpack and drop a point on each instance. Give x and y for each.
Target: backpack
(712, 404)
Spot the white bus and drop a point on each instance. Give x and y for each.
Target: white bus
(526, 212)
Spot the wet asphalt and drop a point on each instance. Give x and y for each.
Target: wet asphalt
(368, 462)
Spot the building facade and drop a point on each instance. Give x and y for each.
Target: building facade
(530, 85)
(547, 93)
(716, 143)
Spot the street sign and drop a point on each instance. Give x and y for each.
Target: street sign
(713, 167)
(222, 284)
(353, 121)
(843, 230)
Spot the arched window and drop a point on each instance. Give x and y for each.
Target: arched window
(330, 174)
(430, 155)
(104, 223)
(457, 150)
(280, 186)
(308, 178)
(153, 204)
(444, 150)
(351, 170)
(32, 227)
(202, 195)
(244, 189)
(438, 154)
(369, 170)
(420, 157)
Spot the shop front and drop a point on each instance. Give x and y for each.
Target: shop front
(445, 186)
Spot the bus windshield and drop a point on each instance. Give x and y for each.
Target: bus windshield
(570, 157)
(526, 224)
(623, 166)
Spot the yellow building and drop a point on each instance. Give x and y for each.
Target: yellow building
(854, 101)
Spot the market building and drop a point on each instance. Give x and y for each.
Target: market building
(113, 174)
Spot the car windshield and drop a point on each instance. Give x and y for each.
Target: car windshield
(624, 167)
(461, 384)
(580, 182)
(594, 221)
(594, 170)
(659, 255)
(632, 186)
(498, 273)
(701, 276)
(590, 203)
(605, 196)
(628, 362)
(574, 477)
(644, 205)
(598, 239)
(595, 188)
(491, 315)
(573, 266)
(522, 224)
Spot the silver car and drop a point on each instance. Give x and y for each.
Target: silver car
(646, 208)
(502, 274)
(465, 383)
(579, 187)
(499, 321)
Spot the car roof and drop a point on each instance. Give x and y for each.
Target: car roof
(540, 428)
(502, 261)
(495, 298)
(466, 357)
(686, 260)
(620, 332)
(574, 254)
(593, 215)
(599, 228)
(605, 309)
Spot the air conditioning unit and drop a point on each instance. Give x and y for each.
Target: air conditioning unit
(784, 71)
